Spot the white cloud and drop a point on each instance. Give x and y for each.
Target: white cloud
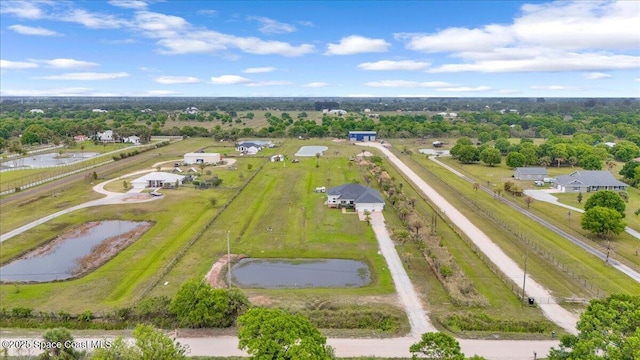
(229, 80)
(161, 93)
(387, 65)
(29, 30)
(464, 89)
(129, 4)
(547, 62)
(637, 79)
(67, 63)
(21, 9)
(553, 36)
(6, 64)
(306, 23)
(458, 39)
(93, 20)
(553, 87)
(270, 26)
(177, 80)
(86, 76)
(318, 84)
(271, 83)
(356, 44)
(257, 70)
(207, 12)
(596, 76)
(408, 84)
(47, 92)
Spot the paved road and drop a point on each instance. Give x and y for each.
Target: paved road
(546, 196)
(586, 247)
(404, 287)
(507, 266)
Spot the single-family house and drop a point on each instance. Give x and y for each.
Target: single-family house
(99, 111)
(36, 111)
(156, 179)
(246, 147)
(191, 110)
(337, 112)
(530, 173)
(587, 181)
(135, 140)
(105, 136)
(202, 158)
(362, 136)
(355, 196)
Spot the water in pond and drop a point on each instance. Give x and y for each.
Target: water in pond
(57, 260)
(51, 159)
(311, 150)
(287, 273)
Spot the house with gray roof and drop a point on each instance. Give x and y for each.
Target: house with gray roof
(530, 173)
(355, 196)
(587, 181)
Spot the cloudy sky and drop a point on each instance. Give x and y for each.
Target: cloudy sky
(314, 48)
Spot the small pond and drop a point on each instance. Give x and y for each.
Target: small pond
(74, 253)
(50, 159)
(300, 273)
(311, 150)
(436, 152)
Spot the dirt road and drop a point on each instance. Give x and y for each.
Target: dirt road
(507, 266)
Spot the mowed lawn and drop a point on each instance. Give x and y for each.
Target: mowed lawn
(278, 215)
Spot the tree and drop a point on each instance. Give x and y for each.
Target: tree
(198, 305)
(468, 154)
(150, 344)
(59, 336)
(591, 162)
(629, 173)
(276, 334)
(436, 346)
(606, 198)
(515, 159)
(602, 221)
(608, 329)
(544, 161)
(528, 200)
(579, 198)
(213, 201)
(491, 156)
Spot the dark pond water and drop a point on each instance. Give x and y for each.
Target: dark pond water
(56, 261)
(50, 159)
(300, 273)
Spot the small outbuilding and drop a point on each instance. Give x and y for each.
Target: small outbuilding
(362, 136)
(530, 173)
(202, 158)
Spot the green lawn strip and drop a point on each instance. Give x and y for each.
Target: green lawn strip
(577, 260)
(504, 304)
(625, 244)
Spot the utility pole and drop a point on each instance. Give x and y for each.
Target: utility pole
(228, 262)
(524, 278)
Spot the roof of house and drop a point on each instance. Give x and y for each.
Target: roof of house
(589, 178)
(362, 132)
(531, 170)
(357, 193)
(159, 175)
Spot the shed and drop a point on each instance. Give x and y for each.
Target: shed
(362, 136)
(530, 173)
(202, 158)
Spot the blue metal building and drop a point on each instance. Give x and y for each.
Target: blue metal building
(362, 136)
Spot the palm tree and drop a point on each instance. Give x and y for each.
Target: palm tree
(476, 186)
(610, 164)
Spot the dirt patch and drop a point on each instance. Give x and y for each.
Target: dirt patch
(214, 277)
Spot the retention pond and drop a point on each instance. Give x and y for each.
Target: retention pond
(300, 273)
(311, 150)
(74, 253)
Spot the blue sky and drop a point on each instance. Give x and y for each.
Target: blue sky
(316, 48)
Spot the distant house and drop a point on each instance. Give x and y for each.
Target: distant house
(99, 111)
(337, 112)
(36, 111)
(106, 136)
(587, 181)
(246, 147)
(202, 158)
(191, 110)
(355, 196)
(437, 144)
(362, 136)
(80, 138)
(132, 139)
(156, 179)
(530, 173)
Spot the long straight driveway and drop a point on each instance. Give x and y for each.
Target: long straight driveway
(509, 268)
(404, 287)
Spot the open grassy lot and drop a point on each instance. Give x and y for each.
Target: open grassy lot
(600, 277)
(281, 199)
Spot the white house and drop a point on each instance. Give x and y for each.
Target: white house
(99, 111)
(105, 136)
(132, 139)
(202, 158)
(337, 112)
(191, 110)
(355, 196)
(248, 147)
(36, 111)
(156, 179)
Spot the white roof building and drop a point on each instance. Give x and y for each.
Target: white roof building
(156, 179)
